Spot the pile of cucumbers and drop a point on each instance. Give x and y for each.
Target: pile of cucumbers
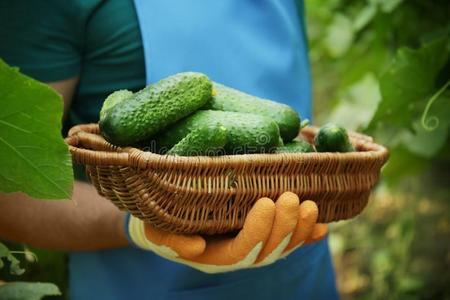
(189, 115)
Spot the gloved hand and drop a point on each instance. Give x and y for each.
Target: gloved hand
(271, 231)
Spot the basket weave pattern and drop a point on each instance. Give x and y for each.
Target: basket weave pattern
(214, 194)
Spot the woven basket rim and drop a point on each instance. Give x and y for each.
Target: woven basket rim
(104, 153)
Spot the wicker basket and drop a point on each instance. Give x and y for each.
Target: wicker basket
(214, 194)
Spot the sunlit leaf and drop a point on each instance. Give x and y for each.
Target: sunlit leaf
(358, 105)
(428, 143)
(14, 264)
(382, 261)
(388, 6)
(33, 156)
(409, 82)
(364, 17)
(339, 36)
(27, 290)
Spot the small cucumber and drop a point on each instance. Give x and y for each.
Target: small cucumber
(333, 138)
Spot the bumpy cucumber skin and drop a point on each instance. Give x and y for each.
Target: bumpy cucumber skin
(295, 146)
(333, 138)
(246, 133)
(112, 100)
(155, 107)
(229, 99)
(203, 141)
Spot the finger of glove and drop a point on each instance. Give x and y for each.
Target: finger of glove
(307, 218)
(319, 232)
(243, 249)
(186, 246)
(285, 222)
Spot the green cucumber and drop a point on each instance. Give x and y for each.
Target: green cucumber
(297, 145)
(333, 138)
(229, 99)
(246, 133)
(112, 100)
(155, 107)
(203, 141)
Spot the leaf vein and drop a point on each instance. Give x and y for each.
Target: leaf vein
(34, 167)
(15, 127)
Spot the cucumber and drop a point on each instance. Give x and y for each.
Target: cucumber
(229, 99)
(333, 138)
(297, 145)
(143, 114)
(203, 141)
(112, 100)
(246, 133)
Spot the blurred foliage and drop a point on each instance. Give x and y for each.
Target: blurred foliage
(382, 67)
(32, 267)
(376, 66)
(8, 256)
(398, 248)
(20, 290)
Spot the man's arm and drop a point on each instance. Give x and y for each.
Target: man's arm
(87, 222)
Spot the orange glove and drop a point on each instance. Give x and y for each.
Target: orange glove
(271, 231)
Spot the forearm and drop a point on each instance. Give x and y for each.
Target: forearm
(87, 222)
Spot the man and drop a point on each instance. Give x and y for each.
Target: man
(88, 49)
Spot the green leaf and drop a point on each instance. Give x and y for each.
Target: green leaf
(27, 290)
(358, 104)
(388, 6)
(409, 82)
(14, 267)
(33, 156)
(364, 17)
(339, 36)
(425, 143)
(382, 261)
(402, 163)
(428, 141)
(410, 284)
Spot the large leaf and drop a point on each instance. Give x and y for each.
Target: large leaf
(414, 131)
(14, 264)
(27, 290)
(427, 141)
(33, 156)
(403, 164)
(409, 82)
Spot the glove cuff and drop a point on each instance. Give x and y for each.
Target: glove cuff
(135, 232)
(125, 229)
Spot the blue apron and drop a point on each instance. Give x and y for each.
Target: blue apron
(258, 47)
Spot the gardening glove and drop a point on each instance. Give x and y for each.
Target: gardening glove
(271, 231)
